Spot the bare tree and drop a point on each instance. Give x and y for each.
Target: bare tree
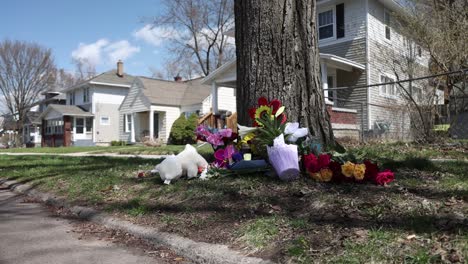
(171, 69)
(200, 28)
(278, 57)
(440, 27)
(84, 69)
(62, 80)
(26, 70)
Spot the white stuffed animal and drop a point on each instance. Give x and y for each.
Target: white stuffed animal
(169, 169)
(186, 162)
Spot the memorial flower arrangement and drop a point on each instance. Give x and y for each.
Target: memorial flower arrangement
(287, 148)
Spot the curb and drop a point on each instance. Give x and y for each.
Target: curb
(198, 252)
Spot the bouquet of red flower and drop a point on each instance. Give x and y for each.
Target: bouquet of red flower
(324, 169)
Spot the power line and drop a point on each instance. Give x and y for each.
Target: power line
(463, 71)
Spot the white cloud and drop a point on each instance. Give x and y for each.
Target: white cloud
(120, 50)
(92, 53)
(104, 51)
(155, 36)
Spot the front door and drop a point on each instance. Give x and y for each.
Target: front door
(156, 125)
(80, 128)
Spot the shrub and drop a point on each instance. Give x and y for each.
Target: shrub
(183, 130)
(118, 143)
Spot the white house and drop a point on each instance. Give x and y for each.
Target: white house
(91, 114)
(356, 38)
(153, 105)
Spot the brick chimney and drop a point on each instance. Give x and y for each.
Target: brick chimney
(178, 78)
(120, 70)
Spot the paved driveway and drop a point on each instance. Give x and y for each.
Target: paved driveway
(28, 234)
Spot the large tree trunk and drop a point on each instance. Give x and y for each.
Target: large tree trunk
(278, 57)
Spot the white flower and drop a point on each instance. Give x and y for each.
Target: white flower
(294, 132)
(244, 130)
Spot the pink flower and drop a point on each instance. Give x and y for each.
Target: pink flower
(226, 133)
(223, 156)
(384, 177)
(215, 140)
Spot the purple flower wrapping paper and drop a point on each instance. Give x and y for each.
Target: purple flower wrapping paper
(285, 161)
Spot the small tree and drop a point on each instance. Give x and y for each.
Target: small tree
(26, 70)
(183, 130)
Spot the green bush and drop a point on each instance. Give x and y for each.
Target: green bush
(183, 130)
(118, 143)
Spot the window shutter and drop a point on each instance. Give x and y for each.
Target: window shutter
(340, 23)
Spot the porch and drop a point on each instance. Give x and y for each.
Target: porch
(145, 125)
(335, 71)
(65, 125)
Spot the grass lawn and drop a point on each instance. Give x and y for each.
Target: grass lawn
(59, 150)
(420, 218)
(205, 150)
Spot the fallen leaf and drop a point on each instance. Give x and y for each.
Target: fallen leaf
(179, 259)
(410, 237)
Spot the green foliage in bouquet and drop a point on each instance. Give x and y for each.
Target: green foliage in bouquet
(270, 128)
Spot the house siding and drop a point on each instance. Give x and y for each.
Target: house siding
(132, 103)
(355, 24)
(106, 102)
(354, 50)
(171, 113)
(382, 53)
(226, 100)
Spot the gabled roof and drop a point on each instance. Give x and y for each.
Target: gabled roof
(109, 78)
(161, 92)
(65, 110)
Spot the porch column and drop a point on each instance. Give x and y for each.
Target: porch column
(132, 134)
(214, 98)
(323, 68)
(151, 124)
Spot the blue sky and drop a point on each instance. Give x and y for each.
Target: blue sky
(101, 31)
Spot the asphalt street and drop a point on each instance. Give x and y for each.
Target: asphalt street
(29, 234)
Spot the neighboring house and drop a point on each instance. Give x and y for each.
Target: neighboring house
(152, 106)
(91, 114)
(356, 39)
(114, 106)
(32, 124)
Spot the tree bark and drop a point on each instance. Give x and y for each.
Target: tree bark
(278, 57)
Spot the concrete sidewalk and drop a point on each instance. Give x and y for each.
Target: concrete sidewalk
(87, 154)
(29, 235)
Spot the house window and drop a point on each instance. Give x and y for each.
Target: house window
(85, 95)
(387, 89)
(128, 122)
(105, 120)
(326, 24)
(79, 125)
(387, 24)
(89, 124)
(72, 98)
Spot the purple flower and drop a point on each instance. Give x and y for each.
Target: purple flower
(215, 140)
(224, 156)
(225, 133)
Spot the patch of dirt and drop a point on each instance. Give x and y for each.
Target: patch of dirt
(91, 231)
